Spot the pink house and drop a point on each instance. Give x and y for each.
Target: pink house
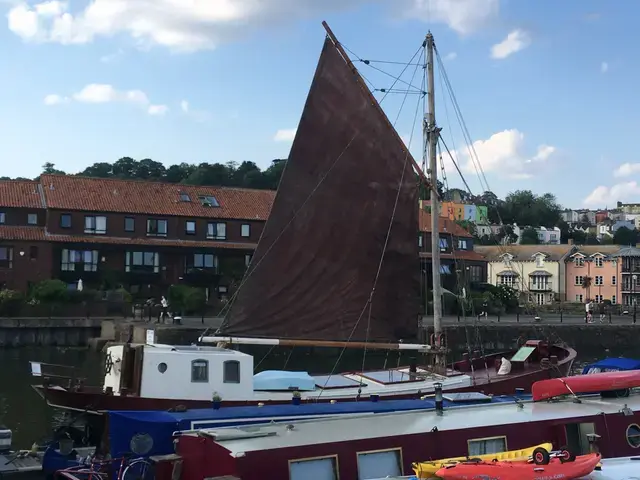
(597, 263)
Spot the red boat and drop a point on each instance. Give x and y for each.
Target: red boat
(615, 383)
(556, 469)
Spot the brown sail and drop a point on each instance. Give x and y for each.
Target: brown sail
(313, 271)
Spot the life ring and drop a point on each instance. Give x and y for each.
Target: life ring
(108, 364)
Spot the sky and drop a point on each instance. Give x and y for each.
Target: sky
(547, 89)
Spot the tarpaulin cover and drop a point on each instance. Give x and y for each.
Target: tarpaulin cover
(314, 268)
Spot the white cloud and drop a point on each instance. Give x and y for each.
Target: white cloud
(604, 67)
(504, 153)
(53, 99)
(112, 57)
(463, 16)
(514, 42)
(157, 110)
(190, 25)
(198, 115)
(606, 196)
(627, 169)
(285, 135)
(451, 56)
(184, 106)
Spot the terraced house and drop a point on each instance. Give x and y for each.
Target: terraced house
(145, 236)
(537, 271)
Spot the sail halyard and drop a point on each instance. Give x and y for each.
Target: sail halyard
(314, 269)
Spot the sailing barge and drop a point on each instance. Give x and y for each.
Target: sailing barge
(336, 266)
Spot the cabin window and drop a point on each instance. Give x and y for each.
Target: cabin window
(231, 371)
(200, 371)
(316, 468)
(633, 435)
(379, 464)
(162, 367)
(487, 446)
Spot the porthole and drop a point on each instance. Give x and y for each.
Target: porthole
(633, 435)
(162, 367)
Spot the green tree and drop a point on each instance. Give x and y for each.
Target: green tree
(523, 207)
(50, 168)
(468, 226)
(507, 235)
(529, 236)
(625, 236)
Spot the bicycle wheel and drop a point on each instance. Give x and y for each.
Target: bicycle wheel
(140, 469)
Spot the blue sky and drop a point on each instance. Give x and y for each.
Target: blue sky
(547, 88)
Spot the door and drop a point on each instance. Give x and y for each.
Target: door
(540, 298)
(578, 437)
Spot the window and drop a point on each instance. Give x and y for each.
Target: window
(184, 197)
(3, 218)
(507, 280)
(200, 371)
(129, 224)
(217, 230)
(205, 260)
(579, 261)
(190, 227)
(247, 259)
(506, 260)
(599, 280)
(598, 298)
(613, 299)
(613, 280)
(208, 201)
(142, 262)
(487, 446)
(65, 220)
(444, 244)
(598, 261)
(79, 260)
(245, 230)
(95, 225)
(633, 435)
(579, 298)
(445, 269)
(379, 464)
(231, 371)
(32, 218)
(419, 240)
(6, 257)
(33, 252)
(462, 244)
(475, 273)
(156, 228)
(316, 468)
(579, 279)
(539, 261)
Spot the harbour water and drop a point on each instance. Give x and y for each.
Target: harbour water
(31, 420)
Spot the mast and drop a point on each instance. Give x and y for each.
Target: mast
(431, 132)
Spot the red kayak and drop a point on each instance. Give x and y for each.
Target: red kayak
(593, 383)
(556, 469)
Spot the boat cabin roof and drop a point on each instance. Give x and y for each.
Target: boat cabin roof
(201, 350)
(265, 437)
(614, 364)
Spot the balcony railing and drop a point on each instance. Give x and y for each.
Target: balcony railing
(540, 286)
(514, 285)
(630, 268)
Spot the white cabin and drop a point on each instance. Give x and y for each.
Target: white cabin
(178, 372)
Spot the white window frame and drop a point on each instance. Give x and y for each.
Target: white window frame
(579, 261)
(539, 261)
(95, 224)
(598, 262)
(579, 280)
(599, 280)
(613, 280)
(613, 299)
(217, 231)
(579, 298)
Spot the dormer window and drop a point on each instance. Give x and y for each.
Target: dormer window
(506, 260)
(598, 261)
(579, 261)
(208, 201)
(184, 197)
(539, 261)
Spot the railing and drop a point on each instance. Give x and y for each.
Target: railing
(540, 286)
(630, 268)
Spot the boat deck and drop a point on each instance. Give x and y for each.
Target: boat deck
(12, 464)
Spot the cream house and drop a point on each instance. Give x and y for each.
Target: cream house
(536, 271)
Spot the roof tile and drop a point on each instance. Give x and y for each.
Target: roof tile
(22, 233)
(445, 225)
(20, 194)
(523, 253)
(67, 192)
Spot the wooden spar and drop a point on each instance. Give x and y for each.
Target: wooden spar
(363, 85)
(314, 343)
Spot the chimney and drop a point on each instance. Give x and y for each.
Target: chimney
(570, 241)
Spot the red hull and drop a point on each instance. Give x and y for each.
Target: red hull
(94, 400)
(583, 465)
(592, 383)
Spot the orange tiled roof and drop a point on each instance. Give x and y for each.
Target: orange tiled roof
(20, 194)
(66, 192)
(39, 234)
(445, 225)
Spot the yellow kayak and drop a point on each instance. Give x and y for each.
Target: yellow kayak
(426, 470)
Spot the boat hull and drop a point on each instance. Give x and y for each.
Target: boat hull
(593, 383)
(556, 470)
(93, 400)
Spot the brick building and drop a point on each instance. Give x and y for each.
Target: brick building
(145, 236)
